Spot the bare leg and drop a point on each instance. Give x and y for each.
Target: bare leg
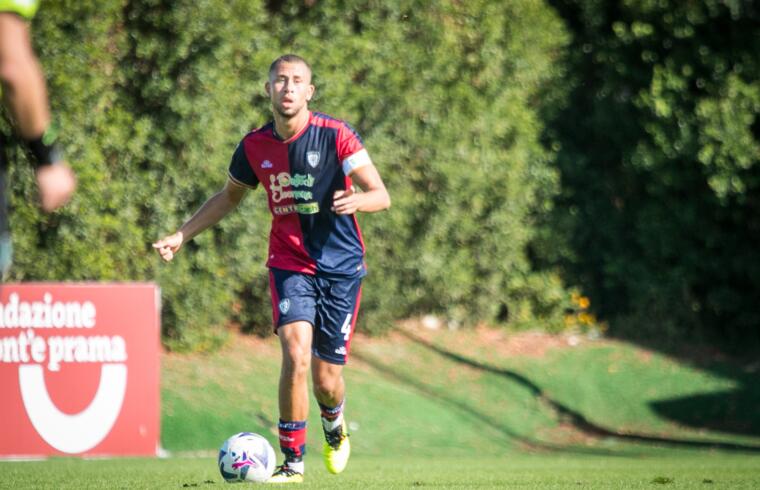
(295, 340)
(329, 387)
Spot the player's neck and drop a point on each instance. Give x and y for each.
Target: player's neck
(287, 127)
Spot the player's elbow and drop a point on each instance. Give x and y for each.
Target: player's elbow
(231, 197)
(385, 201)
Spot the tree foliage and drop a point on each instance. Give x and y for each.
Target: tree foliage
(659, 151)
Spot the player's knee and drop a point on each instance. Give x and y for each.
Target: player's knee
(296, 360)
(326, 386)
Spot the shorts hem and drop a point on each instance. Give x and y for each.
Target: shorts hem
(331, 361)
(297, 319)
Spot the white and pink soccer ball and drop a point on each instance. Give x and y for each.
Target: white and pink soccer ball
(246, 457)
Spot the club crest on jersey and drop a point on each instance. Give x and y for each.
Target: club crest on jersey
(284, 306)
(312, 158)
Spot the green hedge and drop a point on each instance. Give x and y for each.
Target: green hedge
(153, 96)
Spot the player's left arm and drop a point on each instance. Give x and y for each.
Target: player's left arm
(374, 196)
(25, 94)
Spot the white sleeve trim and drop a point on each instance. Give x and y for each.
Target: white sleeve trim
(240, 182)
(358, 159)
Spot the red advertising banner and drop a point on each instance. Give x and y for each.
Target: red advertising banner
(79, 369)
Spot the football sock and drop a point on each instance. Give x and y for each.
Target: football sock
(296, 466)
(332, 417)
(293, 442)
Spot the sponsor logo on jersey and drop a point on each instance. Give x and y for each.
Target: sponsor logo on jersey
(312, 158)
(284, 306)
(266, 164)
(300, 208)
(279, 184)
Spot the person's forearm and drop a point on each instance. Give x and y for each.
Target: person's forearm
(23, 82)
(28, 102)
(374, 200)
(212, 211)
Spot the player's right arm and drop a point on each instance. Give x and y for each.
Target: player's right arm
(210, 213)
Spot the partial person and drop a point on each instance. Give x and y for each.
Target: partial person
(25, 95)
(309, 164)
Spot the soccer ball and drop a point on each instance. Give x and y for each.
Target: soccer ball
(246, 457)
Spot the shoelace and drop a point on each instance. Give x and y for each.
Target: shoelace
(334, 437)
(286, 470)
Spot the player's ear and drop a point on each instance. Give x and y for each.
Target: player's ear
(268, 89)
(311, 91)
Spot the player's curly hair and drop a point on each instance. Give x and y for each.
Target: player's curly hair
(288, 58)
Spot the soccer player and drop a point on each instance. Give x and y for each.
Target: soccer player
(308, 164)
(24, 93)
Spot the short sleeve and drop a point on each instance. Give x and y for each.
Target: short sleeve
(240, 170)
(351, 151)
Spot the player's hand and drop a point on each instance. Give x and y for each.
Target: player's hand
(56, 184)
(169, 245)
(345, 202)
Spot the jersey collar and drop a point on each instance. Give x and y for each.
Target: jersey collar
(295, 136)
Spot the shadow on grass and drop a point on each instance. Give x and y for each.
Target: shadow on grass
(566, 414)
(735, 411)
(414, 382)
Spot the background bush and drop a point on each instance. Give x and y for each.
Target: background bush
(532, 149)
(154, 95)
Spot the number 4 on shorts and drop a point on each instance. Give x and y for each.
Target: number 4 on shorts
(346, 328)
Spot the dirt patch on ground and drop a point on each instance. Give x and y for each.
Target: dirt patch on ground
(237, 341)
(525, 344)
(499, 341)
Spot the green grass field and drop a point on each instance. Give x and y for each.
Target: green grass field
(535, 471)
(472, 409)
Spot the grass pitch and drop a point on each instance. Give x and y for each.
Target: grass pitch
(538, 471)
(476, 392)
(467, 409)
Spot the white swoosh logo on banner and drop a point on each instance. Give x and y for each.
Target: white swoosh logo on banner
(82, 431)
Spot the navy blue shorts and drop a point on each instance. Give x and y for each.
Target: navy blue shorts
(330, 305)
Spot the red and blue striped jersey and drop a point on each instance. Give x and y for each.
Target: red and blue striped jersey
(300, 176)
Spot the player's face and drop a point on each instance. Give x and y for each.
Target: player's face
(290, 89)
